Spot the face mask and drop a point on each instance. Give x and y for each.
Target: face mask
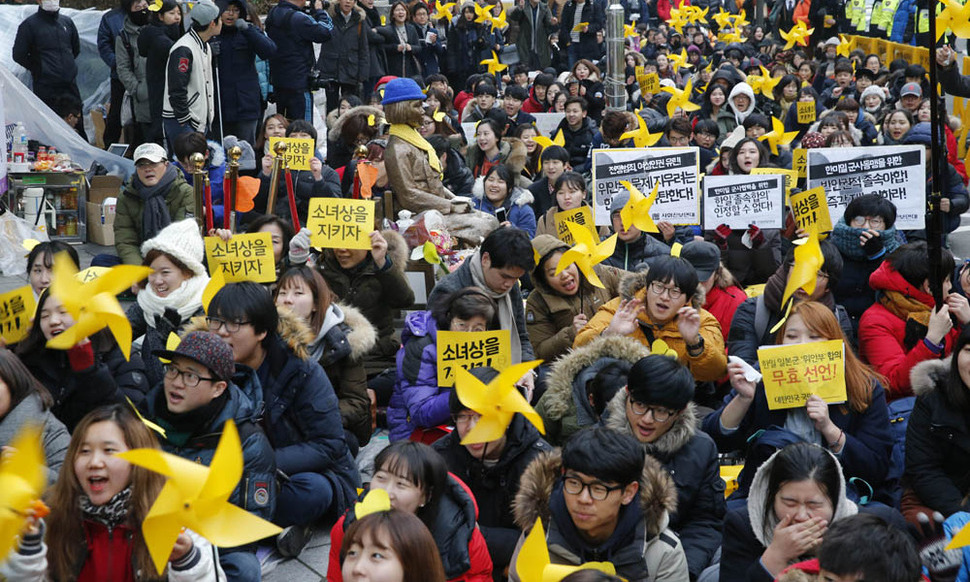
(139, 18)
(50, 5)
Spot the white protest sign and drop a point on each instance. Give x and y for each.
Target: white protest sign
(739, 201)
(675, 169)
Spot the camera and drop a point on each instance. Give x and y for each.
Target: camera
(315, 81)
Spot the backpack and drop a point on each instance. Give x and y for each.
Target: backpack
(899, 412)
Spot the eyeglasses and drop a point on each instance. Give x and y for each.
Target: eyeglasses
(598, 491)
(659, 288)
(215, 323)
(466, 418)
(659, 413)
(874, 222)
(190, 379)
(428, 123)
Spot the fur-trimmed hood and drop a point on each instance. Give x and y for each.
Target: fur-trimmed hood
(334, 133)
(680, 433)
(397, 249)
(294, 332)
(560, 398)
(518, 154)
(358, 333)
(633, 283)
(658, 495)
(518, 197)
(926, 376)
(362, 335)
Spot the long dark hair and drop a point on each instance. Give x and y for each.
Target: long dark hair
(801, 462)
(20, 382)
(421, 465)
(35, 344)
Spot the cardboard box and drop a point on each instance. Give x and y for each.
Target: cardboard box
(101, 217)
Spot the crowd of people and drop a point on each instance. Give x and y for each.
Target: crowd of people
(627, 468)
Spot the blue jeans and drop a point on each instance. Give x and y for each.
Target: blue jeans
(240, 566)
(573, 52)
(294, 104)
(173, 129)
(303, 500)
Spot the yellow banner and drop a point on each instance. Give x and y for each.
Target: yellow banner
(582, 215)
(799, 162)
(471, 349)
(806, 111)
(298, 154)
(244, 257)
(16, 310)
(795, 372)
(811, 207)
(649, 83)
(341, 223)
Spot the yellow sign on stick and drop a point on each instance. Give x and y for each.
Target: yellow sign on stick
(649, 83)
(16, 311)
(471, 349)
(341, 223)
(298, 153)
(244, 257)
(582, 216)
(811, 207)
(792, 373)
(791, 176)
(799, 162)
(806, 111)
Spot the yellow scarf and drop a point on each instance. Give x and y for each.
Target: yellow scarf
(411, 135)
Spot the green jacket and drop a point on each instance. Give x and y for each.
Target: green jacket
(130, 209)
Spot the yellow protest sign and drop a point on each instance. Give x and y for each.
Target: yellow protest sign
(244, 257)
(582, 216)
(649, 83)
(792, 373)
(298, 153)
(811, 207)
(806, 111)
(16, 310)
(471, 349)
(581, 27)
(799, 162)
(340, 223)
(791, 176)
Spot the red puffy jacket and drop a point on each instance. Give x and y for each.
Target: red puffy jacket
(109, 554)
(722, 303)
(664, 6)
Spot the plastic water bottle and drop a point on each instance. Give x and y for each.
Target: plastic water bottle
(18, 148)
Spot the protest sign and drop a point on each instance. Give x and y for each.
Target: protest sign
(809, 207)
(91, 273)
(674, 169)
(244, 257)
(341, 223)
(649, 83)
(799, 161)
(739, 201)
(897, 173)
(298, 153)
(806, 112)
(791, 176)
(471, 349)
(16, 310)
(792, 373)
(582, 215)
(546, 123)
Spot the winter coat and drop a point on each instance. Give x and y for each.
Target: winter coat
(418, 401)
(378, 64)
(458, 177)
(893, 345)
(377, 293)
(239, 91)
(256, 491)
(402, 64)
(853, 291)
(154, 43)
(131, 70)
(953, 82)
(517, 206)
(511, 152)
(468, 45)
(549, 315)
(578, 142)
(46, 45)
(723, 303)
(749, 530)
(431, 53)
(294, 33)
(54, 435)
(111, 24)
(643, 547)
(344, 346)
(190, 90)
(690, 457)
(593, 13)
(109, 380)
(180, 200)
(345, 58)
(564, 406)
(534, 23)
(711, 364)
(494, 485)
(627, 256)
(937, 442)
(154, 337)
(455, 531)
(305, 187)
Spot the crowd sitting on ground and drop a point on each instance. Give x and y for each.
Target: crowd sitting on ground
(627, 466)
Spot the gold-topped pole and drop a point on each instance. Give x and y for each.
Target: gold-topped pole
(229, 195)
(197, 161)
(279, 148)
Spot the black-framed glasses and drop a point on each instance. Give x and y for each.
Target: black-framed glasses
(215, 323)
(190, 379)
(598, 491)
(659, 288)
(659, 413)
(466, 418)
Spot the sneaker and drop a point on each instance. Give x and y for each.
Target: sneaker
(268, 558)
(290, 541)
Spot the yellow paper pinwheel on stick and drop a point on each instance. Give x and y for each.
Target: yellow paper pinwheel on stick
(629, 30)
(636, 212)
(798, 34)
(808, 261)
(679, 60)
(641, 136)
(22, 479)
(559, 140)
(680, 98)
(586, 253)
(376, 501)
(494, 65)
(533, 563)
(216, 282)
(443, 12)
(956, 17)
(677, 21)
(844, 47)
(197, 497)
(729, 37)
(93, 305)
(497, 403)
(778, 136)
(738, 21)
(722, 18)
(766, 83)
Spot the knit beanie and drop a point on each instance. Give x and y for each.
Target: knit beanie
(813, 139)
(662, 381)
(181, 240)
(872, 90)
(402, 89)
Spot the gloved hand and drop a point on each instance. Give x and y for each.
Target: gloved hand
(942, 564)
(721, 234)
(81, 356)
(874, 246)
(241, 24)
(756, 236)
(300, 247)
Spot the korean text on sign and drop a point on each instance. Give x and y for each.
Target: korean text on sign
(16, 310)
(675, 171)
(810, 207)
(341, 223)
(298, 153)
(582, 215)
(739, 201)
(792, 373)
(471, 349)
(244, 257)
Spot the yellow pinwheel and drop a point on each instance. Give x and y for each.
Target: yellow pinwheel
(636, 212)
(197, 497)
(497, 403)
(586, 253)
(798, 34)
(376, 501)
(768, 83)
(216, 282)
(443, 12)
(808, 260)
(680, 98)
(155, 6)
(729, 37)
(778, 136)
(739, 21)
(499, 22)
(559, 140)
(533, 564)
(22, 479)
(694, 13)
(844, 47)
(956, 17)
(678, 61)
(660, 348)
(493, 64)
(630, 30)
(641, 136)
(94, 304)
(723, 18)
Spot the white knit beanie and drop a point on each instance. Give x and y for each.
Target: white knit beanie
(872, 90)
(181, 240)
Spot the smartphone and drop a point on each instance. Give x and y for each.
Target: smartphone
(502, 215)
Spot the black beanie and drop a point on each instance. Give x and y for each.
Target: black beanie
(661, 380)
(485, 374)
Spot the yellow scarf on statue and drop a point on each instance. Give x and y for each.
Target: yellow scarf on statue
(411, 135)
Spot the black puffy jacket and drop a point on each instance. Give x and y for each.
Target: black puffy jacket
(46, 45)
